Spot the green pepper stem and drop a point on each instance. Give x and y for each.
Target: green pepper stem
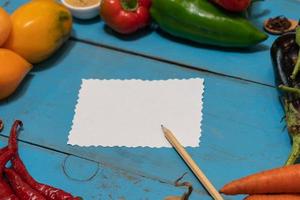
(289, 89)
(296, 68)
(129, 5)
(295, 150)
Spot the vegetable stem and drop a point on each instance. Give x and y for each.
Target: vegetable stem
(295, 150)
(297, 66)
(129, 5)
(293, 125)
(289, 89)
(187, 194)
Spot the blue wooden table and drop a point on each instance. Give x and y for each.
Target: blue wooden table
(241, 128)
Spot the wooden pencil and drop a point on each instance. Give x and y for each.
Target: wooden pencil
(191, 163)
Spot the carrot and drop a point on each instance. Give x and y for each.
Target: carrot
(274, 197)
(281, 180)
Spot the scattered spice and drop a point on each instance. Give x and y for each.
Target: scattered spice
(82, 3)
(279, 25)
(187, 194)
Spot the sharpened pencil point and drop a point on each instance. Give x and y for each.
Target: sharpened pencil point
(163, 129)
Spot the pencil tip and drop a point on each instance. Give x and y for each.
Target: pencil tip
(163, 128)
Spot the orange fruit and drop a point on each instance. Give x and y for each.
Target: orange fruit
(5, 26)
(13, 69)
(39, 28)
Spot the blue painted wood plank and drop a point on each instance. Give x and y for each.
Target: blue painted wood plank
(253, 64)
(241, 134)
(90, 180)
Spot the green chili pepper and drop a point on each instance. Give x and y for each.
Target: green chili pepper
(203, 22)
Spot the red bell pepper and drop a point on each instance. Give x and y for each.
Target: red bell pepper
(126, 16)
(233, 5)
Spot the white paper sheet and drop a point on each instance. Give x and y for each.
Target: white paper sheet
(130, 112)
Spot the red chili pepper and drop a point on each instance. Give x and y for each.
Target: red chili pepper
(6, 193)
(126, 16)
(11, 197)
(22, 189)
(51, 193)
(5, 189)
(233, 5)
(12, 141)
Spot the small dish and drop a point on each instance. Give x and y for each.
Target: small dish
(87, 12)
(279, 25)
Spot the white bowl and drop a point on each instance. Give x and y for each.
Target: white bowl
(88, 12)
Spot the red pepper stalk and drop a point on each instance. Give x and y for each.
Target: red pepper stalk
(12, 141)
(51, 193)
(126, 16)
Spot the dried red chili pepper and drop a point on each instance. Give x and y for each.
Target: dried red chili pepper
(22, 189)
(11, 197)
(6, 193)
(12, 141)
(5, 190)
(6, 154)
(50, 193)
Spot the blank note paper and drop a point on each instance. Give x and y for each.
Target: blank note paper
(130, 112)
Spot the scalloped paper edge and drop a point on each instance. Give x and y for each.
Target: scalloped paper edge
(140, 80)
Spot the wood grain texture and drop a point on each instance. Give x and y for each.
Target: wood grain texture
(50, 167)
(241, 131)
(252, 64)
(192, 164)
(241, 127)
